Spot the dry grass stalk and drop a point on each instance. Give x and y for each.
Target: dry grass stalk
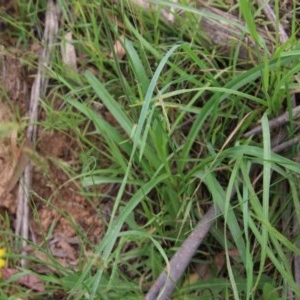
(37, 92)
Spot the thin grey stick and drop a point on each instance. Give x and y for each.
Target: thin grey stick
(283, 37)
(283, 146)
(282, 119)
(165, 283)
(37, 92)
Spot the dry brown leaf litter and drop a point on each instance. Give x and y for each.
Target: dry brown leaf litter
(57, 202)
(6, 156)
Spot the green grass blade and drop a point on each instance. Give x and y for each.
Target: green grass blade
(229, 193)
(244, 202)
(111, 104)
(247, 11)
(137, 67)
(266, 188)
(148, 97)
(219, 197)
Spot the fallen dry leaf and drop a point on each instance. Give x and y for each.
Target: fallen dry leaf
(13, 161)
(29, 281)
(7, 159)
(68, 52)
(118, 48)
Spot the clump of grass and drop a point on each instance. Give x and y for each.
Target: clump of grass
(173, 146)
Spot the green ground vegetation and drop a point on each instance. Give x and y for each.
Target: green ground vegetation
(175, 147)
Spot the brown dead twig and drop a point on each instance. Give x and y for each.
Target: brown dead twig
(37, 92)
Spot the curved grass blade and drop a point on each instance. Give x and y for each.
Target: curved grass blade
(266, 194)
(111, 104)
(148, 97)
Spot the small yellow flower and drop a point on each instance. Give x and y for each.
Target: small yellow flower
(2, 259)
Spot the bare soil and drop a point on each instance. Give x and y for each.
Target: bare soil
(56, 203)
